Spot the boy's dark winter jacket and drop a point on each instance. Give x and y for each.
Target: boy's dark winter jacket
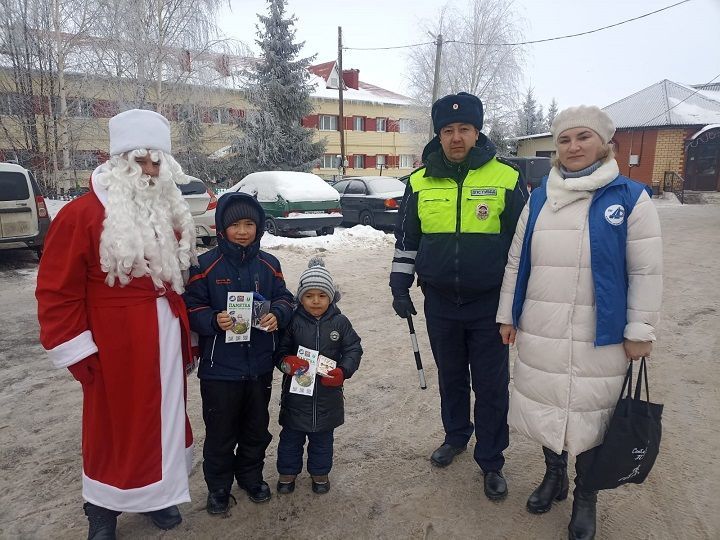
(232, 267)
(334, 337)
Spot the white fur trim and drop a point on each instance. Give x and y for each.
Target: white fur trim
(176, 457)
(139, 129)
(563, 191)
(72, 351)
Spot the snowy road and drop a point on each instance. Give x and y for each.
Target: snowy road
(383, 484)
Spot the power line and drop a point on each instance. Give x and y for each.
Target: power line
(545, 40)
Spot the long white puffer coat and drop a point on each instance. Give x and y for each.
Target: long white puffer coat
(565, 388)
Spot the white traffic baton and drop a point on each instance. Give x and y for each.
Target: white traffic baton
(416, 350)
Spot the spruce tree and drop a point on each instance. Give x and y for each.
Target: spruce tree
(272, 137)
(551, 113)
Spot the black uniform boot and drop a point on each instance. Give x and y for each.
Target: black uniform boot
(554, 485)
(582, 523)
(102, 522)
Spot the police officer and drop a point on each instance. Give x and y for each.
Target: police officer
(454, 229)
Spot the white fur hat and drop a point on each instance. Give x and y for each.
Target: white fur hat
(583, 116)
(138, 129)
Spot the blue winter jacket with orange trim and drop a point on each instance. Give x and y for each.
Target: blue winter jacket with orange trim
(231, 267)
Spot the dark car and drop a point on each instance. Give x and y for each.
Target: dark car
(533, 169)
(370, 200)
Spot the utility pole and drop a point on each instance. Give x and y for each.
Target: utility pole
(436, 78)
(341, 118)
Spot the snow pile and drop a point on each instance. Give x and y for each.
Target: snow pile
(290, 185)
(360, 236)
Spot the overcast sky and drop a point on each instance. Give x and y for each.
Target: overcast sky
(681, 44)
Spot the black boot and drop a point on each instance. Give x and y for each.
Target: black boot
(582, 522)
(554, 485)
(165, 519)
(102, 522)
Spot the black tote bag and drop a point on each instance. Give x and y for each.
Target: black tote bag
(632, 441)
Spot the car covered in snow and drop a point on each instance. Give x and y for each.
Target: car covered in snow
(370, 200)
(202, 202)
(24, 217)
(293, 201)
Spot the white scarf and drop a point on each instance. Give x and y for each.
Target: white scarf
(563, 191)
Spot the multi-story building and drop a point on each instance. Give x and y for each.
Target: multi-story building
(379, 126)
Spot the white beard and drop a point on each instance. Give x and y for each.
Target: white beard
(143, 217)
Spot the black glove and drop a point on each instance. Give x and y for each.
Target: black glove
(403, 306)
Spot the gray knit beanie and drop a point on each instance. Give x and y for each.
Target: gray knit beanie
(591, 117)
(316, 277)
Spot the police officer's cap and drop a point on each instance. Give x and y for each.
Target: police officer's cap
(460, 107)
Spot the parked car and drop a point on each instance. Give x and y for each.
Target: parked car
(370, 200)
(202, 202)
(24, 217)
(293, 201)
(533, 169)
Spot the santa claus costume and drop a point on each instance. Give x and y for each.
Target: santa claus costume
(110, 310)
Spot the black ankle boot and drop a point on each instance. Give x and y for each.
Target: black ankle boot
(582, 523)
(554, 485)
(102, 522)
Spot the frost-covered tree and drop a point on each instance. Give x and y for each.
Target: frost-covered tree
(530, 116)
(551, 114)
(474, 58)
(272, 137)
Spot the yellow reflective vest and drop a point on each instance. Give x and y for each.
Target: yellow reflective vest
(475, 207)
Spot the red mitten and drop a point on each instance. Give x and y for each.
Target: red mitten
(294, 365)
(335, 377)
(84, 370)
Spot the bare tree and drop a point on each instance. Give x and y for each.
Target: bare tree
(474, 58)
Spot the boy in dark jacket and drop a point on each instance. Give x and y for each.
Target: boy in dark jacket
(236, 377)
(317, 325)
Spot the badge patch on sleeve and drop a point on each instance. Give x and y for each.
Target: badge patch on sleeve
(482, 212)
(484, 192)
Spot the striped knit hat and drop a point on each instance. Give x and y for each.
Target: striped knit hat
(316, 277)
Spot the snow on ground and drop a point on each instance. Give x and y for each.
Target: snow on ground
(361, 236)
(54, 206)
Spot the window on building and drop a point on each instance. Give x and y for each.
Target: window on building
(407, 161)
(333, 82)
(84, 161)
(359, 161)
(79, 108)
(544, 153)
(10, 104)
(358, 123)
(220, 115)
(328, 122)
(405, 125)
(380, 161)
(328, 161)
(381, 124)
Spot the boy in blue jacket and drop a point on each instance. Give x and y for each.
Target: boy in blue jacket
(236, 377)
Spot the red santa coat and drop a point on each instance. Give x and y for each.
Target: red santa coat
(136, 442)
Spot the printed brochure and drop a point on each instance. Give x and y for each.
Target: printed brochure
(240, 309)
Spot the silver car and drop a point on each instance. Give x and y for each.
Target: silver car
(24, 218)
(202, 202)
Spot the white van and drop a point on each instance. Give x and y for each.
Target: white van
(24, 218)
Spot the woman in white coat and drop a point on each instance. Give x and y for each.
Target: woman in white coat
(580, 298)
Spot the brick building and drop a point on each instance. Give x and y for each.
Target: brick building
(663, 129)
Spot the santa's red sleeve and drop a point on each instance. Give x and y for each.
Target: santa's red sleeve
(60, 293)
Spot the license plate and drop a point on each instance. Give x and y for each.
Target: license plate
(314, 212)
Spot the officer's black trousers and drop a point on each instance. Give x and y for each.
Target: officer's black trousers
(468, 349)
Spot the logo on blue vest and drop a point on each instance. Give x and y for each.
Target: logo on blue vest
(615, 214)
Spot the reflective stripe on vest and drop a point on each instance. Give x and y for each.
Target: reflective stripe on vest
(482, 199)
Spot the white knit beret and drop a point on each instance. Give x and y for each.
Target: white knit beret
(591, 117)
(138, 129)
